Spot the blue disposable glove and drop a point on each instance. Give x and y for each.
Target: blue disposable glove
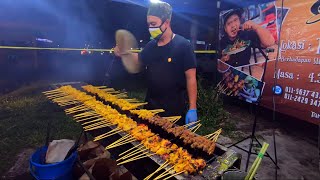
(191, 116)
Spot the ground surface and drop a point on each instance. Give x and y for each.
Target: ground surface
(24, 116)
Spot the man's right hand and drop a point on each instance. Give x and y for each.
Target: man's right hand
(116, 51)
(225, 57)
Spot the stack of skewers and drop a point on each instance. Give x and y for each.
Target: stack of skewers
(93, 114)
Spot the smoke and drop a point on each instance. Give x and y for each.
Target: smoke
(70, 22)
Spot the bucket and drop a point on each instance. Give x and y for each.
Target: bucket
(57, 171)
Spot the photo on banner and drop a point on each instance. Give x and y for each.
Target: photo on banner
(240, 85)
(249, 36)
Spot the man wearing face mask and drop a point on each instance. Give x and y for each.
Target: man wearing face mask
(170, 65)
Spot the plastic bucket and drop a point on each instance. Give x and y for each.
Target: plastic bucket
(59, 171)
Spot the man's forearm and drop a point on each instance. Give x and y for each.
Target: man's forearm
(265, 37)
(192, 92)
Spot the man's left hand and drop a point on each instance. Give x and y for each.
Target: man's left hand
(191, 116)
(249, 25)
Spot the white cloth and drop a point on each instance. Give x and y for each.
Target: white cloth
(58, 150)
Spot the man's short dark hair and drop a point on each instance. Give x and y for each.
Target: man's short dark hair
(228, 14)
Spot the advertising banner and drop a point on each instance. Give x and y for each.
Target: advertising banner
(249, 40)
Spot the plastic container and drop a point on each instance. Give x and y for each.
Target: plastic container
(56, 171)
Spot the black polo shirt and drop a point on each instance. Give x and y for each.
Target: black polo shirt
(165, 71)
(241, 58)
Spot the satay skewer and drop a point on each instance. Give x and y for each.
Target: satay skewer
(52, 91)
(97, 124)
(106, 136)
(156, 110)
(78, 110)
(194, 131)
(174, 175)
(187, 125)
(98, 127)
(69, 103)
(165, 164)
(92, 121)
(52, 96)
(134, 147)
(76, 107)
(194, 127)
(139, 150)
(165, 173)
(109, 133)
(133, 155)
(132, 100)
(88, 118)
(85, 116)
(145, 156)
(122, 143)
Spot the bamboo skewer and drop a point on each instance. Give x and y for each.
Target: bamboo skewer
(52, 96)
(216, 136)
(97, 124)
(196, 129)
(98, 139)
(142, 152)
(101, 87)
(62, 98)
(85, 113)
(172, 118)
(174, 175)
(110, 133)
(120, 144)
(132, 100)
(187, 125)
(212, 134)
(157, 111)
(113, 130)
(95, 120)
(139, 150)
(88, 118)
(124, 140)
(165, 173)
(139, 104)
(164, 165)
(98, 127)
(130, 149)
(52, 91)
(85, 116)
(78, 110)
(134, 159)
(76, 107)
(68, 104)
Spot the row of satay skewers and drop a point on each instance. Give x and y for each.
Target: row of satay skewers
(93, 114)
(207, 143)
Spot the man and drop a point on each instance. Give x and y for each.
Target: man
(170, 66)
(251, 33)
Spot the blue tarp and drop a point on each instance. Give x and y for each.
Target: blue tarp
(199, 7)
